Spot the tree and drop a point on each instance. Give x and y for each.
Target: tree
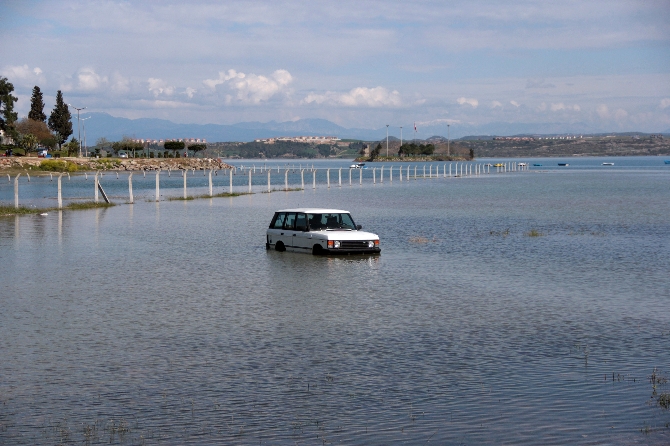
(37, 106)
(472, 154)
(27, 142)
(176, 146)
(127, 145)
(60, 121)
(72, 147)
(196, 148)
(38, 129)
(375, 153)
(7, 114)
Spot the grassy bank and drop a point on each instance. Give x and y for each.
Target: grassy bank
(7, 211)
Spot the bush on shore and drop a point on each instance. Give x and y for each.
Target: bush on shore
(58, 166)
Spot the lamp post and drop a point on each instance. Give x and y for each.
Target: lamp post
(448, 140)
(387, 141)
(84, 125)
(78, 129)
(400, 136)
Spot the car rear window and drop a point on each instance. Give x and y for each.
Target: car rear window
(279, 220)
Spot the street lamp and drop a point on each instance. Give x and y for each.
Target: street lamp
(78, 129)
(448, 140)
(400, 136)
(84, 125)
(387, 141)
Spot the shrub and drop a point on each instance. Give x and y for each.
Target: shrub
(18, 152)
(58, 166)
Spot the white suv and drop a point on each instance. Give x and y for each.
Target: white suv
(319, 231)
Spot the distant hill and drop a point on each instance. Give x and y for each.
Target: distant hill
(114, 128)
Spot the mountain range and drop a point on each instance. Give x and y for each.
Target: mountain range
(114, 128)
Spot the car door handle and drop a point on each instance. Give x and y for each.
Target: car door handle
(294, 235)
(282, 233)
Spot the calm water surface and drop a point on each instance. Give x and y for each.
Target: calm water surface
(169, 323)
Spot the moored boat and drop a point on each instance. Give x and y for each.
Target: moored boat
(563, 164)
(608, 164)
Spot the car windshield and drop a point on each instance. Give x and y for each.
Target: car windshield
(320, 222)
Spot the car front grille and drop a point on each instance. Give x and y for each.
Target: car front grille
(353, 244)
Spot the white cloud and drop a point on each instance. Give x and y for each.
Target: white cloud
(620, 114)
(470, 101)
(251, 88)
(255, 89)
(358, 97)
(159, 86)
(223, 77)
(495, 104)
(120, 84)
(603, 111)
(542, 107)
(189, 92)
(22, 74)
(665, 103)
(515, 103)
(88, 79)
(562, 106)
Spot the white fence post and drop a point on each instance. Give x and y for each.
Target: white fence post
(302, 178)
(339, 178)
(183, 172)
(16, 191)
(250, 180)
(286, 179)
(130, 187)
(95, 184)
(211, 192)
(269, 187)
(60, 192)
(158, 185)
(328, 176)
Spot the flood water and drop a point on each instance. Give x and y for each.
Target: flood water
(517, 308)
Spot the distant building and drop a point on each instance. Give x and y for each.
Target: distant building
(306, 139)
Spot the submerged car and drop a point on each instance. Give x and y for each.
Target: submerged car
(320, 232)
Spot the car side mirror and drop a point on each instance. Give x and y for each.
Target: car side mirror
(359, 227)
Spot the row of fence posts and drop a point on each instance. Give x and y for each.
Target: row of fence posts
(461, 170)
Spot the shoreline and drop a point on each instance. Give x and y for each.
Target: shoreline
(114, 164)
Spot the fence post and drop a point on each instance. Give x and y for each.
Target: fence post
(250, 180)
(60, 192)
(313, 178)
(286, 179)
(16, 191)
(184, 175)
(302, 178)
(158, 184)
(400, 171)
(374, 175)
(391, 174)
(339, 178)
(360, 176)
(381, 175)
(130, 187)
(95, 184)
(350, 176)
(269, 180)
(230, 173)
(328, 176)
(424, 171)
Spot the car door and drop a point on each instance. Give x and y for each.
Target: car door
(288, 233)
(276, 229)
(301, 238)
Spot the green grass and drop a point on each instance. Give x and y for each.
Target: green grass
(6, 211)
(199, 197)
(534, 233)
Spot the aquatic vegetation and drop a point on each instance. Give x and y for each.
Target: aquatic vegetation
(534, 233)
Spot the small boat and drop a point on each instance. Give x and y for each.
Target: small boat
(563, 164)
(608, 164)
(357, 166)
(537, 165)
(667, 161)
(522, 164)
(498, 165)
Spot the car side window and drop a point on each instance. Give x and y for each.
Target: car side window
(301, 222)
(279, 220)
(290, 220)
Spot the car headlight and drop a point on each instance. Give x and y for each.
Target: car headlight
(371, 244)
(336, 244)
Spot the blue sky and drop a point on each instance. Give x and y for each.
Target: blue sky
(600, 65)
